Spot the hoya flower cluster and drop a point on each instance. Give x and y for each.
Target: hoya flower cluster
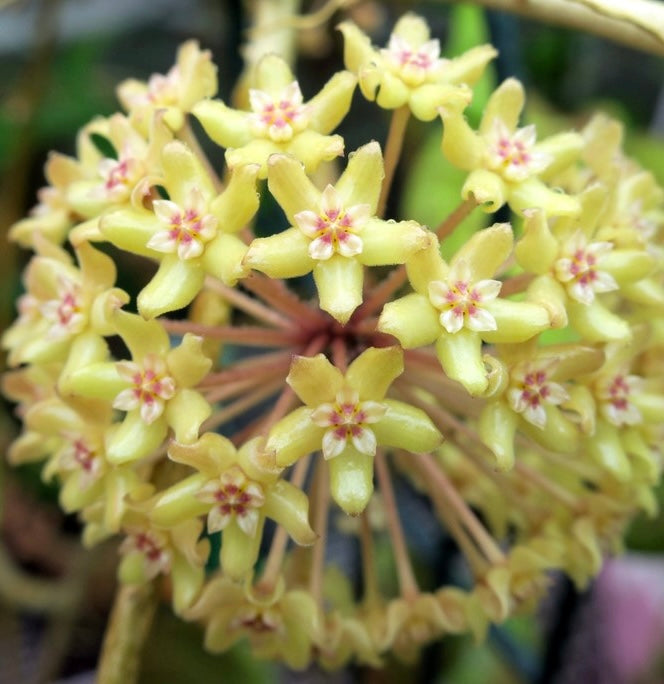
(518, 387)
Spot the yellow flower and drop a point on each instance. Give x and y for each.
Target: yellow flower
(410, 71)
(348, 417)
(279, 120)
(334, 233)
(506, 163)
(191, 79)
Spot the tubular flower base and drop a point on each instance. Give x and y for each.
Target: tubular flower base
(533, 454)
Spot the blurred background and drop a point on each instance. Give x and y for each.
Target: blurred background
(60, 61)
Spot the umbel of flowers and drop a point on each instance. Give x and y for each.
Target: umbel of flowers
(517, 386)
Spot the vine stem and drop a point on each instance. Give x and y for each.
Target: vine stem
(634, 24)
(407, 582)
(127, 632)
(393, 146)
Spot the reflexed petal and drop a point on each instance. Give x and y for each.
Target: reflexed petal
(315, 379)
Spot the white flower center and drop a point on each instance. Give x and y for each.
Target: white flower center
(413, 65)
(65, 313)
(150, 388)
(233, 495)
(347, 419)
(187, 229)
(578, 269)
(513, 155)
(460, 301)
(278, 118)
(615, 401)
(530, 390)
(334, 229)
(153, 547)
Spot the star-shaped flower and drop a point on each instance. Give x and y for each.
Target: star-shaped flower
(333, 233)
(191, 79)
(193, 233)
(505, 162)
(347, 417)
(154, 388)
(238, 490)
(410, 71)
(62, 304)
(457, 306)
(279, 120)
(575, 268)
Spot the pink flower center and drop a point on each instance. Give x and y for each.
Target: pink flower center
(535, 389)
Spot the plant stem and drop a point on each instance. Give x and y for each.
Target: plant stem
(440, 484)
(252, 336)
(634, 23)
(275, 555)
(395, 138)
(448, 225)
(321, 511)
(126, 634)
(407, 582)
(241, 301)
